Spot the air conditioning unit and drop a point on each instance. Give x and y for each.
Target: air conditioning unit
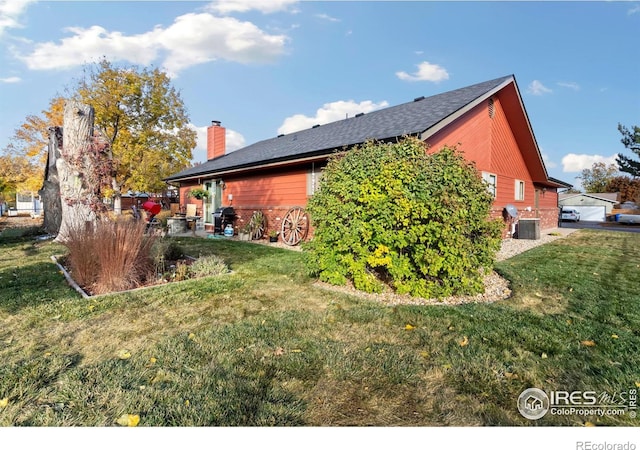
(528, 229)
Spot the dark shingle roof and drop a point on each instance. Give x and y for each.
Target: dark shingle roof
(410, 118)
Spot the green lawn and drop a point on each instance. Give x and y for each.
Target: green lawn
(264, 346)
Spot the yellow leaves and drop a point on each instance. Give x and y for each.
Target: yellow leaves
(614, 336)
(278, 351)
(124, 354)
(464, 342)
(409, 327)
(544, 356)
(511, 375)
(424, 354)
(4, 402)
(589, 424)
(588, 343)
(191, 336)
(161, 377)
(153, 360)
(638, 384)
(128, 420)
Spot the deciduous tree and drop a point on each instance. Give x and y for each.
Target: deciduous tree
(596, 179)
(145, 121)
(629, 188)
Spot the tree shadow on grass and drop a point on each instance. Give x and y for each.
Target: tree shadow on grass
(31, 285)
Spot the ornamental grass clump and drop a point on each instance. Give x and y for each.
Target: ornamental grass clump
(109, 256)
(394, 216)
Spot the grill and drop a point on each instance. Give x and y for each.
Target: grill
(222, 217)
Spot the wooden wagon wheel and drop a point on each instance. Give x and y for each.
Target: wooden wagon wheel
(295, 226)
(257, 224)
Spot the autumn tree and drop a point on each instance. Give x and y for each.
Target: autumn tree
(145, 121)
(629, 188)
(631, 140)
(23, 160)
(596, 179)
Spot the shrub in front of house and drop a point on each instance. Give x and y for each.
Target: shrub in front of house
(391, 215)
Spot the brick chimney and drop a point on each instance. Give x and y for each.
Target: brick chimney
(216, 140)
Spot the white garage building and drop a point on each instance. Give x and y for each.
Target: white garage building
(592, 207)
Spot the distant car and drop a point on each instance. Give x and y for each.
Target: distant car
(571, 214)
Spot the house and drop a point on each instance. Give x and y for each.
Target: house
(486, 121)
(592, 207)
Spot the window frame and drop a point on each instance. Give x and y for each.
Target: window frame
(492, 187)
(519, 190)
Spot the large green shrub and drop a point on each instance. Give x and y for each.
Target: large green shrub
(391, 214)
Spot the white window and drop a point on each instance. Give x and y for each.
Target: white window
(492, 182)
(519, 190)
(314, 176)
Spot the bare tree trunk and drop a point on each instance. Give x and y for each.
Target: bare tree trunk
(75, 196)
(50, 191)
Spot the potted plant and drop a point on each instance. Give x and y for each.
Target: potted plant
(244, 234)
(198, 193)
(273, 236)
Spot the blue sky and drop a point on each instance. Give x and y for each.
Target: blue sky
(269, 67)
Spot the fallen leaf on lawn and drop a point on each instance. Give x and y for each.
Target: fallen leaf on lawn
(538, 294)
(511, 376)
(588, 343)
(128, 420)
(424, 354)
(638, 384)
(451, 328)
(409, 327)
(187, 402)
(543, 356)
(192, 336)
(570, 289)
(5, 401)
(614, 336)
(595, 273)
(160, 377)
(153, 360)
(464, 341)
(589, 424)
(278, 351)
(124, 354)
(569, 321)
(296, 350)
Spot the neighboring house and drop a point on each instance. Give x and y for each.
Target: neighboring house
(592, 207)
(486, 121)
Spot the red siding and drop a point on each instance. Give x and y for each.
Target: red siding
(270, 189)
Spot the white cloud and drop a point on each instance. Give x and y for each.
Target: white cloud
(233, 141)
(10, 80)
(264, 6)
(191, 39)
(10, 12)
(426, 72)
(537, 88)
(330, 112)
(569, 85)
(198, 38)
(547, 162)
(573, 162)
(327, 17)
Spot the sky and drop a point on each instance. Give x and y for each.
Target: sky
(266, 67)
